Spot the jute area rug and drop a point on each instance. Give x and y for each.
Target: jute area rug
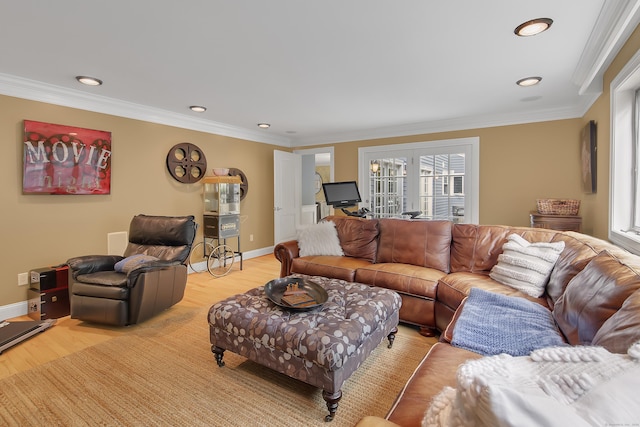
(166, 375)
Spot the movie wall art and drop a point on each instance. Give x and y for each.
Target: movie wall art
(61, 159)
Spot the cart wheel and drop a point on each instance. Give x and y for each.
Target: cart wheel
(221, 260)
(199, 256)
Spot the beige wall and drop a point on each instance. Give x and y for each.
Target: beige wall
(521, 163)
(518, 164)
(43, 230)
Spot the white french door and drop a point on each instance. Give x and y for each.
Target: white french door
(430, 180)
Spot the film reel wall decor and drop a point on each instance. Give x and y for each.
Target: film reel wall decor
(186, 163)
(244, 185)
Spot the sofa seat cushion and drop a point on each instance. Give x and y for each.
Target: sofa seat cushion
(595, 294)
(111, 279)
(437, 370)
(415, 242)
(489, 323)
(455, 287)
(335, 267)
(103, 284)
(403, 278)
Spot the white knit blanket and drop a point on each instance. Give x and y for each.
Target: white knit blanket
(553, 386)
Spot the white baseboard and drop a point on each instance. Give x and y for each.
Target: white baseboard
(21, 308)
(202, 266)
(17, 309)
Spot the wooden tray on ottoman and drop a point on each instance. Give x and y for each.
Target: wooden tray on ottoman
(310, 296)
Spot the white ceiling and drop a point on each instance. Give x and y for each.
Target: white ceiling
(317, 71)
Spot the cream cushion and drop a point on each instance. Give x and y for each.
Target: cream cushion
(526, 266)
(554, 386)
(319, 239)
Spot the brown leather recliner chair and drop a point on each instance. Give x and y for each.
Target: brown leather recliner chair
(149, 278)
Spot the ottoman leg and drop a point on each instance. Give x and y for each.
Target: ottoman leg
(391, 337)
(218, 352)
(332, 403)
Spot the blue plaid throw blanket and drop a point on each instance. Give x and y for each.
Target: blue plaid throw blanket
(492, 323)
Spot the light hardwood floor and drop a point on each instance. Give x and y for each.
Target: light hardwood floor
(71, 335)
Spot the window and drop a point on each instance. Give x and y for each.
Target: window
(439, 179)
(387, 187)
(624, 208)
(458, 185)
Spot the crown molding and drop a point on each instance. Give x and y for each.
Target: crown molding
(617, 20)
(37, 91)
(461, 123)
(51, 94)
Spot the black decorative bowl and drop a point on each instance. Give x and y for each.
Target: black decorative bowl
(275, 289)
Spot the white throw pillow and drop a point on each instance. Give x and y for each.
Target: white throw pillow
(526, 266)
(320, 239)
(554, 386)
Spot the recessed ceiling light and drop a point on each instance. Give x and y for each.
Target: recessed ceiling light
(264, 125)
(198, 108)
(533, 27)
(89, 81)
(529, 81)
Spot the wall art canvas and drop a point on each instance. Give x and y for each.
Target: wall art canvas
(588, 154)
(61, 159)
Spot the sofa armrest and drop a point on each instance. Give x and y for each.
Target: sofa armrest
(92, 264)
(285, 252)
(155, 290)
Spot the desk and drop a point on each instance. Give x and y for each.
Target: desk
(556, 222)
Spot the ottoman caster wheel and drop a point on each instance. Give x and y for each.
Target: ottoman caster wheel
(332, 403)
(392, 337)
(219, 353)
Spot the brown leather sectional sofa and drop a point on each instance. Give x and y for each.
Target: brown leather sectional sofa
(434, 264)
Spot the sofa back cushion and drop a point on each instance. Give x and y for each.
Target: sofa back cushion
(579, 249)
(594, 295)
(622, 329)
(168, 238)
(475, 248)
(415, 242)
(358, 236)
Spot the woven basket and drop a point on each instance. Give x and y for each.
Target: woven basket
(558, 206)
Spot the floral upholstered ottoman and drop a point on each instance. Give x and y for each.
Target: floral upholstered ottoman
(321, 347)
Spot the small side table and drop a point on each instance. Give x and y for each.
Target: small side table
(556, 222)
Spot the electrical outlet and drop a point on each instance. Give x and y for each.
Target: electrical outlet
(23, 279)
(251, 237)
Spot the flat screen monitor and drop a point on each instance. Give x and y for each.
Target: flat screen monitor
(341, 194)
